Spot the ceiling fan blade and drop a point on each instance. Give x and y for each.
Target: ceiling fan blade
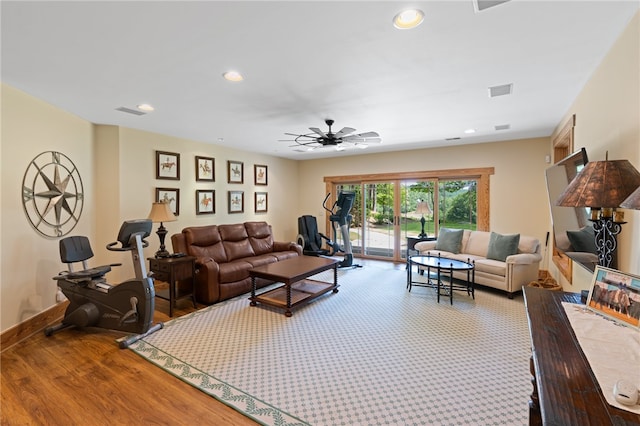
(345, 131)
(318, 131)
(369, 135)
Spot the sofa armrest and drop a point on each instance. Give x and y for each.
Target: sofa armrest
(524, 258)
(424, 246)
(207, 285)
(287, 246)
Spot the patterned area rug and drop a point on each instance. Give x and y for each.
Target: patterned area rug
(372, 354)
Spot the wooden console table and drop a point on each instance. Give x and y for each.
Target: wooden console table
(565, 390)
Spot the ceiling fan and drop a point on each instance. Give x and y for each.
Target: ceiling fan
(320, 139)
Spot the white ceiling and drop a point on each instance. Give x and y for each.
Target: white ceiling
(306, 61)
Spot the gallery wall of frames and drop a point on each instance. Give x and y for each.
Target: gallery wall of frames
(204, 198)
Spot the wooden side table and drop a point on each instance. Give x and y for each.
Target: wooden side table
(171, 270)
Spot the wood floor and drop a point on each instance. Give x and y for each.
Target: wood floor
(81, 378)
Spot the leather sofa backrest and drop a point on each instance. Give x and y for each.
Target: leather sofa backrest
(235, 241)
(260, 237)
(205, 241)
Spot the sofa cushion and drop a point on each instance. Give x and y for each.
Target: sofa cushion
(204, 242)
(234, 271)
(490, 266)
(583, 240)
(478, 243)
(449, 240)
(260, 237)
(501, 246)
(235, 241)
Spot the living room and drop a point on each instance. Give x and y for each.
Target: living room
(117, 165)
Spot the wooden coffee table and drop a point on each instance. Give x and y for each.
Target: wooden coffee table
(297, 289)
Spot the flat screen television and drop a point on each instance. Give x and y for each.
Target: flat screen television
(572, 231)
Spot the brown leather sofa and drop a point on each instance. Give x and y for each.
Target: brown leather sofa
(225, 254)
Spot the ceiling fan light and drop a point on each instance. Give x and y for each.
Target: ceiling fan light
(407, 19)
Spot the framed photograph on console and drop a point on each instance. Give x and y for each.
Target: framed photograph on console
(235, 172)
(171, 196)
(260, 174)
(167, 165)
(205, 169)
(615, 295)
(236, 201)
(205, 201)
(260, 199)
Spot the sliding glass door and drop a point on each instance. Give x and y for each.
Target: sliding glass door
(386, 213)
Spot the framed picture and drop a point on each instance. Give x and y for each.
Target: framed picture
(167, 165)
(235, 172)
(171, 196)
(205, 201)
(260, 199)
(205, 169)
(615, 295)
(236, 201)
(260, 174)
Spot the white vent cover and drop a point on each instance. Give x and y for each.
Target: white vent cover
(505, 89)
(130, 111)
(480, 5)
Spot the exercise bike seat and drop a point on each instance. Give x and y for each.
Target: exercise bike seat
(78, 249)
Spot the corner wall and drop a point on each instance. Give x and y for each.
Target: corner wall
(608, 120)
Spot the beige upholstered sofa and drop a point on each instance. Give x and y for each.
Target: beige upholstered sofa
(509, 275)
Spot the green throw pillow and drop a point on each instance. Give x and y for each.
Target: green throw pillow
(583, 240)
(501, 246)
(449, 240)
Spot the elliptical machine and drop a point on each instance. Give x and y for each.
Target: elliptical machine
(311, 240)
(93, 302)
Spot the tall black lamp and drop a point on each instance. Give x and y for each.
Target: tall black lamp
(422, 208)
(161, 212)
(603, 186)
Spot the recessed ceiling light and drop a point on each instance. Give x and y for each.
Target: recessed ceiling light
(408, 19)
(145, 107)
(233, 76)
(469, 131)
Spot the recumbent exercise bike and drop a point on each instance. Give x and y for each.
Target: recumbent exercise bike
(93, 302)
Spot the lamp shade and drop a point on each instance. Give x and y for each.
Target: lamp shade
(632, 201)
(423, 208)
(601, 184)
(161, 212)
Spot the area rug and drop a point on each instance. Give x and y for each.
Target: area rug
(371, 354)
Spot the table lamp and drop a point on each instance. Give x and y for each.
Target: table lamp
(161, 212)
(422, 208)
(603, 186)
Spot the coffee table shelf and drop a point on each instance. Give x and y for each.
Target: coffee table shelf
(297, 289)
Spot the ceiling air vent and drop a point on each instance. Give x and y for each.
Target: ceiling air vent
(452, 139)
(503, 127)
(480, 5)
(505, 89)
(130, 111)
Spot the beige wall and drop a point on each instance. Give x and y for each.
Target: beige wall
(518, 192)
(29, 260)
(117, 166)
(608, 120)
